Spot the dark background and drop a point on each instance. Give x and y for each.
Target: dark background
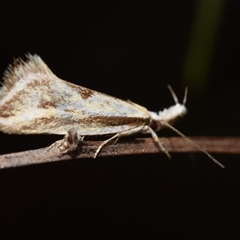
(130, 50)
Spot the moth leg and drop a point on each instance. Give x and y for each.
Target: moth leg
(116, 140)
(117, 136)
(69, 143)
(156, 140)
(104, 143)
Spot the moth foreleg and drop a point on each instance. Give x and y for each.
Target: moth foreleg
(69, 143)
(156, 140)
(117, 136)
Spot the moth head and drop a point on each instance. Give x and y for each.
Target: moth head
(172, 114)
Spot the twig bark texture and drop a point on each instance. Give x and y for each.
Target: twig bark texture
(226, 145)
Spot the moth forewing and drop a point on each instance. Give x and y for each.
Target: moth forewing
(35, 101)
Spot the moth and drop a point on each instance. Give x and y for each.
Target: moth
(35, 101)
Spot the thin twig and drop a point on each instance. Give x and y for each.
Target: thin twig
(226, 145)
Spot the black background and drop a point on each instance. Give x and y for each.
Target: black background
(130, 50)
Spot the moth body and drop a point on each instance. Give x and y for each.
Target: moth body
(35, 101)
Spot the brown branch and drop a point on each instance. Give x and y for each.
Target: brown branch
(227, 145)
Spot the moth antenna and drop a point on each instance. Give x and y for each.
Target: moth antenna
(193, 143)
(173, 94)
(185, 96)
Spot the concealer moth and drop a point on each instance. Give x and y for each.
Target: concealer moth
(35, 101)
